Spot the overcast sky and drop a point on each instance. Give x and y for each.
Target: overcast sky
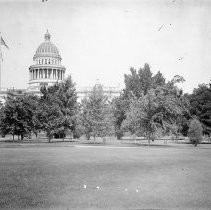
(103, 39)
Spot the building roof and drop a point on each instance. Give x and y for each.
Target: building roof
(47, 48)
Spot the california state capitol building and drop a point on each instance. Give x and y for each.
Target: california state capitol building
(47, 70)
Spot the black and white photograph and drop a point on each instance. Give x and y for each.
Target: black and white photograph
(105, 104)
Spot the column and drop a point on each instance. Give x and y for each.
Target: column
(49, 76)
(50, 73)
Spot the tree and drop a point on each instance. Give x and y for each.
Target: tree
(119, 107)
(78, 128)
(195, 131)
(156, 111)
(137, 84)
(68, 104)
(96, 114)
(200, 106)
(58, 106)
(31, 106)
(50, 117)
(17, 117)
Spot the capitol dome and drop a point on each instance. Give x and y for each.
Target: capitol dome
(47, 69)
(47, 48)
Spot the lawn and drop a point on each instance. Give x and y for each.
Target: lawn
(52, 176)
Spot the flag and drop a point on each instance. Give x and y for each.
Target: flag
(3, 43)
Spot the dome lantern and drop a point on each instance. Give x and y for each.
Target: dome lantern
(47, 36)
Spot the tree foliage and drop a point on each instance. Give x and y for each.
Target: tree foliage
(195, 131)
(119, 106)
(58, 106)
(159, 110)
(138, 83)
(96, 114)
(200, 101)
(18, 116)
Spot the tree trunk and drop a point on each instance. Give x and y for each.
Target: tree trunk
(49, 137)
(13, 137)
(63, 136)
(94, 137)
(148, 141)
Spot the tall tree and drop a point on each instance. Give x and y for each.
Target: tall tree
(50, 117)
(137, 84)
(17, 115)
(200, 101)
(96, 114)
(58, 106)
(68, 104)
(158, 110)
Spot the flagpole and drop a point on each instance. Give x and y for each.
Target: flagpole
(0, 61)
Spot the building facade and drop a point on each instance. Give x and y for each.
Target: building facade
(110, 92)
(47, 69)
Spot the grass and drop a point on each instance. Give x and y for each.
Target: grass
(52, 177)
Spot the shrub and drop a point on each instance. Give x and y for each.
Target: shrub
(195, 132)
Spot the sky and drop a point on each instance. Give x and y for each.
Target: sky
(99, 40)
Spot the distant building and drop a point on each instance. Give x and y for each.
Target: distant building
(47, 69)
(11, 93)
(111, 92)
